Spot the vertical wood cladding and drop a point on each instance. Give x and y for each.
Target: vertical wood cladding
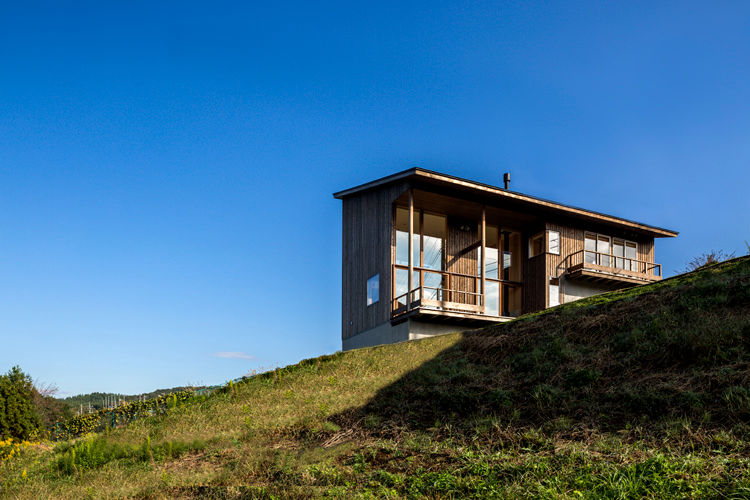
(461, 235)
(368, 248)
(367, 243)
(646, 250)
(571, 241)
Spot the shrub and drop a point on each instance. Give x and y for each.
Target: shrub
(18, 418)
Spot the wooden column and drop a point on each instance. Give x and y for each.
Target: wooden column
(410, 279)
(484, 256)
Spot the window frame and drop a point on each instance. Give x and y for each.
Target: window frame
(549, 240)
(369, 301)
(541, 235)
(612, 257)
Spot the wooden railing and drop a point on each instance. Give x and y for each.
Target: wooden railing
(447, 296)
(612, 264)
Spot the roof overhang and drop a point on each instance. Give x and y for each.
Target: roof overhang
(417, 174)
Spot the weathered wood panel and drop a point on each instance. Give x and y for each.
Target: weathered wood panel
(368, 243)
(534, 283)
(571, 241)
(461, 256)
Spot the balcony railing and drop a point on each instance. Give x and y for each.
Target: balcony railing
(611, 265)
(450, 292)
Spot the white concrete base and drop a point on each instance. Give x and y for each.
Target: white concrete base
(387, 334)
(575, 289)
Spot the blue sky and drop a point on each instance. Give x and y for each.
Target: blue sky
(166, 168)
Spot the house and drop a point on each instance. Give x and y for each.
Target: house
(426, 253)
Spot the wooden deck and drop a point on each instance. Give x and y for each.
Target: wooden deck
(619, 269)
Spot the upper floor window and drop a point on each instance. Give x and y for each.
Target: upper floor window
(428, 239)
(536, 245)
(606, 251)
(548, 241)
(503, 251)
(553, 242)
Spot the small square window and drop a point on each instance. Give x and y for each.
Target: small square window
(536, 245)
(373, 289)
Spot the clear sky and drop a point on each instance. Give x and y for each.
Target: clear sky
(166, 168)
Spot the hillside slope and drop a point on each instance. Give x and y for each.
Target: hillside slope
(642, 392)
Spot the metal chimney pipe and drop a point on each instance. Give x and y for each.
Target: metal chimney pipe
(506, 180)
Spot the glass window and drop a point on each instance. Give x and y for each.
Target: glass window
(590, 249)
(373, 289)
(433, 286)
(402, 237)
(618, 250)
(553, 245)
(511, 244)
(630, 255)
(434, 235)
(491, 263)
(511, 300)
(602, 247)
(554, 292)
(402, 285)
(536, 245)
(492, 298)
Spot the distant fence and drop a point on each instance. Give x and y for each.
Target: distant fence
(119, 412)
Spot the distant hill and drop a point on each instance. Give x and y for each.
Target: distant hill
(98, 400)
(640, 393)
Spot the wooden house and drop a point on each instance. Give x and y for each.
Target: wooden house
(427, 253)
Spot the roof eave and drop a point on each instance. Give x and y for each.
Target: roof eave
(416, 172)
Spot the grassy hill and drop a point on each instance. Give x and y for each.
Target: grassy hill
(639, 393)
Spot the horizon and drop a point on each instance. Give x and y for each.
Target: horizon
(166, 175)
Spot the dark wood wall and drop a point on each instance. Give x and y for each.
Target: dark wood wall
(367, 243)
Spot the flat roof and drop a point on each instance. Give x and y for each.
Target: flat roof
(421, 174)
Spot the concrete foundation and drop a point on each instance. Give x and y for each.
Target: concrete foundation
(573, 290)
(411, 329)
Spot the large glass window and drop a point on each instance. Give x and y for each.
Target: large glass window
(402, 237)
(610, 252)
(427, 253)
(603, 249)
(507, 244)
(631, 254)
(402, 285)
(434, 234)
(589, 253)
(492, 298)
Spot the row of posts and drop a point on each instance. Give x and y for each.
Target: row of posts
(108, 402)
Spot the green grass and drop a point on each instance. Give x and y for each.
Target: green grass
(632, 394)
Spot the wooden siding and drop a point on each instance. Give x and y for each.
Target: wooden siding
(460, 260)
(367, 243)
(571, 241)
(646, 250)
(534, 284)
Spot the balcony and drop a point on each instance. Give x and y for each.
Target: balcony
(446, 295)
(603, 267)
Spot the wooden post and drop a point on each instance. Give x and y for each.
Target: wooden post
(410, 279)
(484, 256)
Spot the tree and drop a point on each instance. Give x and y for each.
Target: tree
(18, 417)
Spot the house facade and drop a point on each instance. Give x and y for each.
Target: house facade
(425, 253)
